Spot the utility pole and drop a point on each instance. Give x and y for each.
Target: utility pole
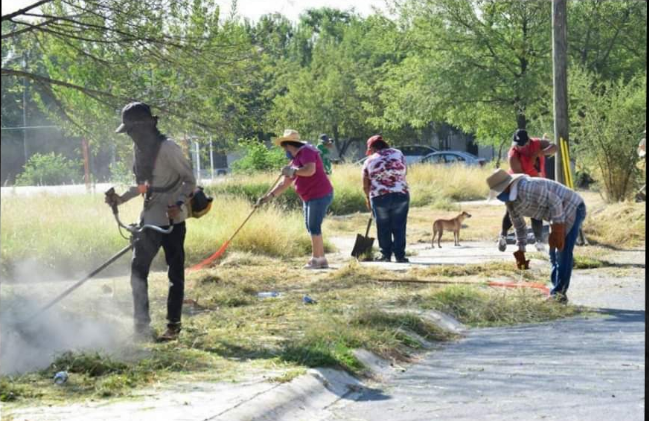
(211, 160)
(86, 163)
(25, 150)
(560, 75)
(198, 161)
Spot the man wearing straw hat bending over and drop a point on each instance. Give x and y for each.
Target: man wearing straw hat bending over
(548, 200)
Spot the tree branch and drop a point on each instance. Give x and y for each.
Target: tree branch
(24, 10)
(29, 28)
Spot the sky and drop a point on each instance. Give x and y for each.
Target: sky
(253, 9)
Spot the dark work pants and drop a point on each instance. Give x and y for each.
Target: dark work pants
(537, 227)
(562, 261)
(146, 246)
(391, 215)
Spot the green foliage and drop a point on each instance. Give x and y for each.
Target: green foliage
(482, 66)
(49, 169)
(608, 120)
(608, 37)
(257, 157)
(121, 174)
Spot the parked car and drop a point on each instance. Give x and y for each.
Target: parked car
(453, 157)
(415, 153)
(412, 153)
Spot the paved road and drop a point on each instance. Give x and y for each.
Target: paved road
(577, 369)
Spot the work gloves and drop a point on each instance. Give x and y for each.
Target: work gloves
(557, 239)
(113, 199)
(521, 263)
(289, 171)
(263, 200)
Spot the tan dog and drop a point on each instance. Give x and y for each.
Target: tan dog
(454, 224)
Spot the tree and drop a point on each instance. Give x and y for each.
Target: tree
(482, 66)
(100, 54)
(336, 92)
(609, 37)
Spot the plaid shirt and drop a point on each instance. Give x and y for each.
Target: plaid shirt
(542, 199)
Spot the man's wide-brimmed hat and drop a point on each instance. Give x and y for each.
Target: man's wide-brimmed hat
(132, 114)
(499, 181)
(289, 135)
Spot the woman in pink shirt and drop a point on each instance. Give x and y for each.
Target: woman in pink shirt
(307, 172)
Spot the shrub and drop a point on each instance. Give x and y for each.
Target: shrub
(49, 170)
(609, 118)
(257, 157)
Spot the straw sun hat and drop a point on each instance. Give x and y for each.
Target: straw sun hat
(289, 135)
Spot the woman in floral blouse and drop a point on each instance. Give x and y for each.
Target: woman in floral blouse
(386, 189)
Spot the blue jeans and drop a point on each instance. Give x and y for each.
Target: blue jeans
(391, 215)
(562, 261)
(314, 213)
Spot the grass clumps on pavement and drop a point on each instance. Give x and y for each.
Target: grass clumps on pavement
(482, 307)
(331, 342)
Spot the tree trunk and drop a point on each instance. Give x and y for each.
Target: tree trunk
(521, 118)
(500, 152)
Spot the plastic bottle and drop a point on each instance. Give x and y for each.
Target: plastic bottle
(308, 300)
(271, 294)
(61, 377)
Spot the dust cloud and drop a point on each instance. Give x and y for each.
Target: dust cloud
(91, 319)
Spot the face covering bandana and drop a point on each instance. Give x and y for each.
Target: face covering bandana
(289, 155)
(503, 197)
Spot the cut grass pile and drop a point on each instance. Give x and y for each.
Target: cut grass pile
(619, 225)
(229, 329)
(482, 307)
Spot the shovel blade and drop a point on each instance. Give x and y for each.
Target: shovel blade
(362, 245)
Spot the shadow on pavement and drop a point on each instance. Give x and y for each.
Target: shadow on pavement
(624, 315)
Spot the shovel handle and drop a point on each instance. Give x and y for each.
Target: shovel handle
(369, 224)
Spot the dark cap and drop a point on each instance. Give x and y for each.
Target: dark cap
(134, 113)
(324, 138)
(520, 137)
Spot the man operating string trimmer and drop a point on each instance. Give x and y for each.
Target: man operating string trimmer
(165, 178)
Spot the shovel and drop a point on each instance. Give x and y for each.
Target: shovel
(364, 244)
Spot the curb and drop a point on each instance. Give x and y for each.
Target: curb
(309, 396)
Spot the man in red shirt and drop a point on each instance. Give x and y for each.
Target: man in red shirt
(527, 156)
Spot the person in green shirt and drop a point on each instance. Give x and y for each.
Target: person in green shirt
(325, 145)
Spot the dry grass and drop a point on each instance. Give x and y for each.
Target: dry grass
(73, 234)
(618, 225)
